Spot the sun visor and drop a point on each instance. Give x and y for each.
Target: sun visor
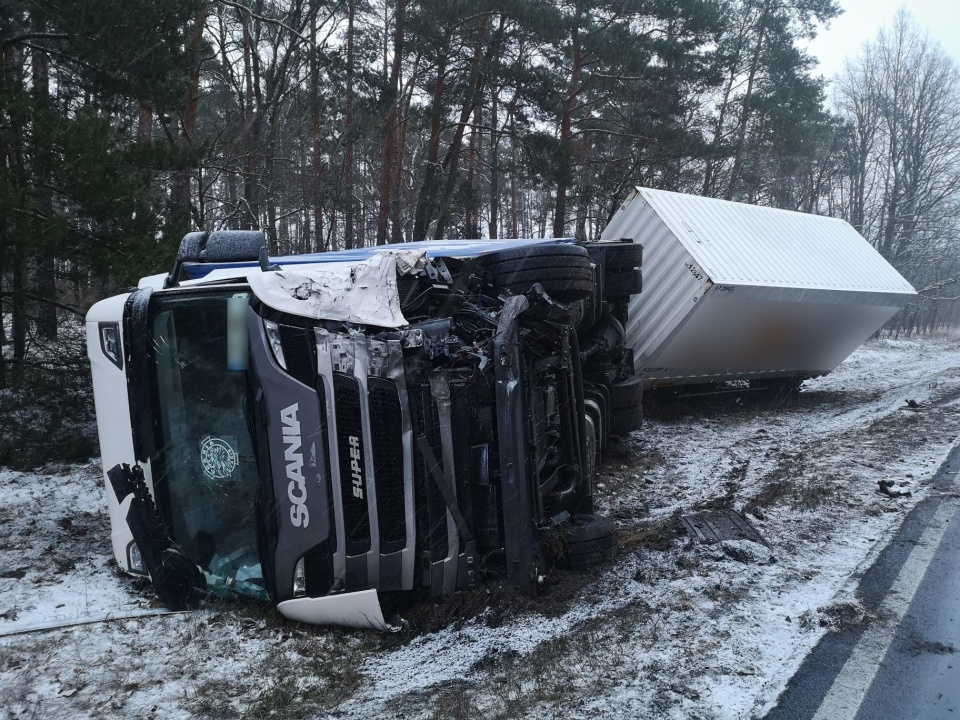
(364, 292)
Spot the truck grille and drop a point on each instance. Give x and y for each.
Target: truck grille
(386, 427)
(299, 352)
(431, 514)
(350, 447)
(387, 473)
(318, 569)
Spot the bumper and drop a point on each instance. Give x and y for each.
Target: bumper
(357, 609)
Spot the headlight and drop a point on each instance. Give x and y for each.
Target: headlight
(299, 579)
(273, 335)
(135, 559)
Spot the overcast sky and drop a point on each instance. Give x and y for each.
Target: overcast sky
(862, 19)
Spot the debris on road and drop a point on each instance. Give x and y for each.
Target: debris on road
(719, 525)
(890, 489)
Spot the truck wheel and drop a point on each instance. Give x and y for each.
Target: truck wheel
(622, 283)
(622, 276)
(617, 256)
(563, 270)
(781, 388)
(626, 409)
(589, 540)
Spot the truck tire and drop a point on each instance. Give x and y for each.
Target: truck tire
(622, 276)
(616, 256)
(563, 270)
(626, 408)
(622, 283)
(589, 540)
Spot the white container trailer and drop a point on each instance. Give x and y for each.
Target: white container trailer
(734, 291)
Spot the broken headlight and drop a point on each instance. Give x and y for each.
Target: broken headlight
(273, 336)
(299, 579)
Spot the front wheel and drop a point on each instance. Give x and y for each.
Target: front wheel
(589, 540)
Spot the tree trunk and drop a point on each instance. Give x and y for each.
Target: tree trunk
(250, 215)
(424, 210)
(566, 144)
(746, 111)
(514, 209)
(390, 129)
(180, 189)
(494, 167)
(451, 161)
(44, 278)
(400, 232)
(348, 181)
(472, 214)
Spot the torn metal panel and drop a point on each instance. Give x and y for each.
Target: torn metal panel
(717, 525)
(364, 293)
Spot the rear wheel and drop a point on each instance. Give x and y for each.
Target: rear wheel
(589, 540)
(622, 283)
(622, 275)
(626, 409)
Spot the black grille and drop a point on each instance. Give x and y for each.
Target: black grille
(318, 569)
(327, 474)
(386, 428)
(356, 518)
(299, 352)
(431, 510)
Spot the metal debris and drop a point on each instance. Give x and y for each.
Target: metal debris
(890, 489)
(717, 525)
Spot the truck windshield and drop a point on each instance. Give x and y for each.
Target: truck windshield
(205, 477)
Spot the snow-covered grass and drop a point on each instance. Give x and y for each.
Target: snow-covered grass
(671, 629)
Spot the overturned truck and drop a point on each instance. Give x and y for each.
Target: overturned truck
(315, 430)
(320, 429)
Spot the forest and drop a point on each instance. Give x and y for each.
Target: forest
(341, 123)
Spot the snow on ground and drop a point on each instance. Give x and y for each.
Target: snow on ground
(671, 629)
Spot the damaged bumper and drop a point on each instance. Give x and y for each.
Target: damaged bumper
(356, 609)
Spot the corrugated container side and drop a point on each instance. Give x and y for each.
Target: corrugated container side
(738, 243)
(742, 331)
(740, 291)
(671, 280)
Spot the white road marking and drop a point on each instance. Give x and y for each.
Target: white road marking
(852, 682)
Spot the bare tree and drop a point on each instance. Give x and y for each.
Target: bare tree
(901, 102)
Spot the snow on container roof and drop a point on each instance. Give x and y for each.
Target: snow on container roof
(748, 244)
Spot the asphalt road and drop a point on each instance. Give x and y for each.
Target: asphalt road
(903, 661)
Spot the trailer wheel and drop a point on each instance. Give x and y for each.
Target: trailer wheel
(563, 270)
(589, 540)
(779, 388)
(626, 409)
